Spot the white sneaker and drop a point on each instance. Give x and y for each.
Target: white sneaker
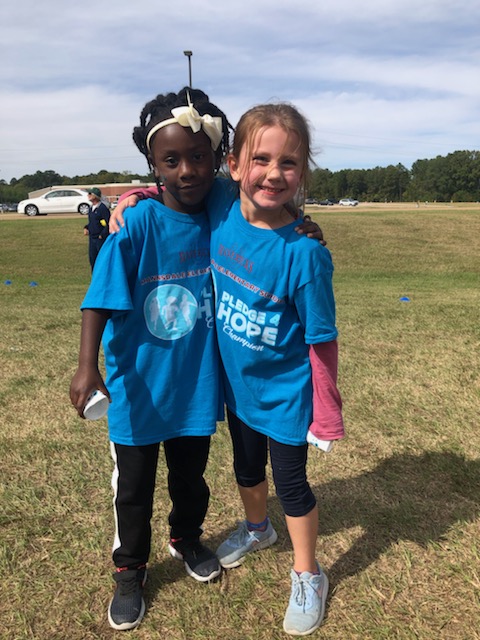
(306, 607)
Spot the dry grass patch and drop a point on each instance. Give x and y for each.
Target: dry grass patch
(399, 498)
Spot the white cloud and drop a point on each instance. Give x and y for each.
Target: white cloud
(384, 82)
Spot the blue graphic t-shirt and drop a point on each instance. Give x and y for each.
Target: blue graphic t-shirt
(274, 297)
(160, 348)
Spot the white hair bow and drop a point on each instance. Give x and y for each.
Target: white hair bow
(188, 116)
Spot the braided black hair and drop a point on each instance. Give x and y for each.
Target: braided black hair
(160, 109)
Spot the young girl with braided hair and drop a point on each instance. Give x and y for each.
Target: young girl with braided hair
(156, 320)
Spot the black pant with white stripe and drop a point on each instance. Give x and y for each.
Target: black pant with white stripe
(133, 483)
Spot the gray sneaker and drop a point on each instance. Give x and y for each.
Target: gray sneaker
(127, 606)
(233, 551)
(306, 608)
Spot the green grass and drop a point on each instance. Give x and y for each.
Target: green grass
(399, 498)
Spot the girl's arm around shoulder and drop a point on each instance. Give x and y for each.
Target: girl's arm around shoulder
(327, 421)
(129, 199)
(309, 228)
(133, 216)
(142, 194)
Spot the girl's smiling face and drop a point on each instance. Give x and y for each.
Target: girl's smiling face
(185, 163)
(269, 170)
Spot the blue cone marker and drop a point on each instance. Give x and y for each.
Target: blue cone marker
(404, 299)
(7, 282)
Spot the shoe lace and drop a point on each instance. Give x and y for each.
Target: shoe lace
(299, 594)
(240, 536)
(303, 593)
(129, 585)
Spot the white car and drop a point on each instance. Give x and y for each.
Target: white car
(348, 202)
(56, 201)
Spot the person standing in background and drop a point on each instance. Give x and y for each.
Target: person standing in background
(97, 227)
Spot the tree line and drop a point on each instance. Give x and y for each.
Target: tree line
(454, 177)
(19, 189)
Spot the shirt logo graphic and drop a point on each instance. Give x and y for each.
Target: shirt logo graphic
(170, 311)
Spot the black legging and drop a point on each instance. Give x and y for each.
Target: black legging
(288, 466)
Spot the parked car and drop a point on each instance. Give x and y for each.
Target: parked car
(311, 201)
(56, 201)
(348, 202)
(328, 202)
(8, 206)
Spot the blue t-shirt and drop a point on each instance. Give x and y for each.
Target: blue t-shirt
(160, 347)
(274, 297)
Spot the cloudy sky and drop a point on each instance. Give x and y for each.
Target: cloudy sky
(381, 81)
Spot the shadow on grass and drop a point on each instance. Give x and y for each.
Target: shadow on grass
(161, 573)
(406, 497)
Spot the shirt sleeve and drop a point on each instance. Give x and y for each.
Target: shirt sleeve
(113, 275)
(313, 296)
(327, 403)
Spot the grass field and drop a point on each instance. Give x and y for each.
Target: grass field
(399, 498)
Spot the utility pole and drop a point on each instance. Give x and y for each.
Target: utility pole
(189, 56)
